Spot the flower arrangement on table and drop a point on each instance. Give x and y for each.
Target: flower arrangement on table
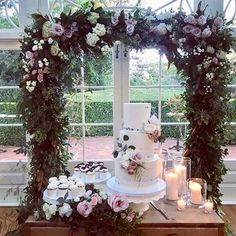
(95, 211)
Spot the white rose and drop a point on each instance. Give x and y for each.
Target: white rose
(91, 39)
(150, 128)
(30, 89)
(99, 30)
(65, 210)
(52, 209)
(93, 17)
(161, 29)
(48, 216)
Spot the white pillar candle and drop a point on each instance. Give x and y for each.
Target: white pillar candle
(208, 206)
(181, 171)
(159, 166)
(171, 186)
(195, 191)
(181, 204)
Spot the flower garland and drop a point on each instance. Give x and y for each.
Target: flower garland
(95, 211)
(197, 45)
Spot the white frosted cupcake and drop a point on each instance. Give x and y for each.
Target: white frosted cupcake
(52, 190)
(63, 181)
(62, 177)
(75, 191)
(97, 172)
(71, 178)
(81, 187)
(62, 190)
(90, 175)
(103, 172)
(55, 182)
(83, 171)
(52, 179)
(77, 173)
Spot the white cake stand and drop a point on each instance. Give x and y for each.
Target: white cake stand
(141, 196)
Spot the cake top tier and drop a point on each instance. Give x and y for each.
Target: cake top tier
(136, 115)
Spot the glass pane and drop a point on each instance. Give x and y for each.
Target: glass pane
(99, 106)
(144, 94)
(98, 70)
(230, 9)
(231, 142)
(75, 142)
(99, 143)
(12, 143)
(9, 11)
(172, 105)
(144, 67)
(74, 107)
(10, 73)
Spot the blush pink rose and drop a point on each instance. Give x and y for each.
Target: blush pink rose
(218, 21)
(206, 33)
(188, 28)
(201, 20)
(118, 202)
(94, 200)
(196, 32)
(57, 29)
(29, 55)
(190, 20)
(137, 157)
(84, 208)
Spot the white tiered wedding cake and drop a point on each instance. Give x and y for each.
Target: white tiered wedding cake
(137, 168)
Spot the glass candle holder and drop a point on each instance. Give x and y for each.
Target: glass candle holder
(171, 179)
(208, 207)
(181, 204)
(182, 168)
(197, 189)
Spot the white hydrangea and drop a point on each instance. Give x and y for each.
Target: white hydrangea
(164, 16)
(52, 209)
(103, 195)
(35, 48)
(221, 54)
(99, 29)
(30, 86)
(47, 29)
(91, 39)
(45, 205)
(93, 17)
(210, 49)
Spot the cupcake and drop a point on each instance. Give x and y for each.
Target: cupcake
(62, 190)
(97, 173)
(71, 178)
(52, 190)
(52, 179)
(90, 175)
(75, 191)
(55, 182)
(71, 182)
(81, 187)
(63, 181)
(101, 163)
(77, 172)
(62, 177)
(103, 172)
(83, 171)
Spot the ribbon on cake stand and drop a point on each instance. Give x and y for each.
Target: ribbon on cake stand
(139, 197)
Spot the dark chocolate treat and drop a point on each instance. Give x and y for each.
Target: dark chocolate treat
(100, 163)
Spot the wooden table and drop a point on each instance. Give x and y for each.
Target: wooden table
(191, 222)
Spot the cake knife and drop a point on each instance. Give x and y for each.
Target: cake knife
(160, 210)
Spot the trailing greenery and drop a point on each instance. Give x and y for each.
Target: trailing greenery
(197, 45)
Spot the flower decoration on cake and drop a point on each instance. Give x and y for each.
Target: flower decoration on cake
(153, 128)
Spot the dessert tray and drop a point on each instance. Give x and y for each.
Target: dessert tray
(53, 200)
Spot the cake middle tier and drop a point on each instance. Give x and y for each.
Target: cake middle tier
(140, 141)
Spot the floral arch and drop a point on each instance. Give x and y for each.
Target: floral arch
(196, 44)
